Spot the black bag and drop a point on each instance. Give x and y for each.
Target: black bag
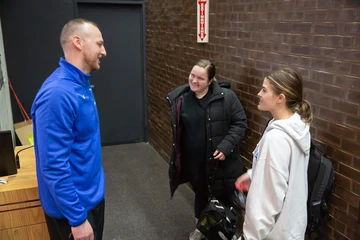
(320, 185)
(217, 222)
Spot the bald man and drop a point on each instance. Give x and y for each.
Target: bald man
(67, 138)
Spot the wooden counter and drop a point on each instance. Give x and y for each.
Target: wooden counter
(21, 215)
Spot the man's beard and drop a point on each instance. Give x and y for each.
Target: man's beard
(92, 62)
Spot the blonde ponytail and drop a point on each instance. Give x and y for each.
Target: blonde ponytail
(305, 111)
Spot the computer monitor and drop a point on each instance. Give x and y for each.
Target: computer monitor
(7, 156)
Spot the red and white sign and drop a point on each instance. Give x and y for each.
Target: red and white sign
(202, 21)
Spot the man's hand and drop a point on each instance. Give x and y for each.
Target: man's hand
(219, 155)
(83, 232)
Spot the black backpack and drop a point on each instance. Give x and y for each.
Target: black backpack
(320, 186)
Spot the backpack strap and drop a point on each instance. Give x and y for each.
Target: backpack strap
(266, 125)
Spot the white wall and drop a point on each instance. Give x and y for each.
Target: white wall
(6, 118)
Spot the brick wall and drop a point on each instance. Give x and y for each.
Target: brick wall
(250, 38)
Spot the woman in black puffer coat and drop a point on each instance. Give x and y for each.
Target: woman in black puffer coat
(208, 123)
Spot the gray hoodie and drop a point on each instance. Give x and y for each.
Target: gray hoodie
(276, 202)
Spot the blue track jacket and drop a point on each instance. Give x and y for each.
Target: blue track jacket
(67, 145)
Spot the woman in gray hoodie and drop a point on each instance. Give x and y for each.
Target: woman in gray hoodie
(277, 183)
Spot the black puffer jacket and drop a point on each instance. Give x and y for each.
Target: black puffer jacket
(226, 125)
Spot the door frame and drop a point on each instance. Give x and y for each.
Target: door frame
(143, 50)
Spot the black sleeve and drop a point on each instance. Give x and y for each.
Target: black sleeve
(238, 124)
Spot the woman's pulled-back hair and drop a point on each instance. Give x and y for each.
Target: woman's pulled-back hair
(209, 66)
(289, 82)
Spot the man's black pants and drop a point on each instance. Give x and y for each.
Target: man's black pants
(60, 229)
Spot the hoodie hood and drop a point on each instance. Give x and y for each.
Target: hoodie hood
(297, 130)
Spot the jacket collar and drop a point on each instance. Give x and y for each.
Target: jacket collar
(178, 92)
(79, 76)
(216, 91)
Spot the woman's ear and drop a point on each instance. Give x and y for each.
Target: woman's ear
(281, 98)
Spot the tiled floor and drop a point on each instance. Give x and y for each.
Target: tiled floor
(138, 204)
